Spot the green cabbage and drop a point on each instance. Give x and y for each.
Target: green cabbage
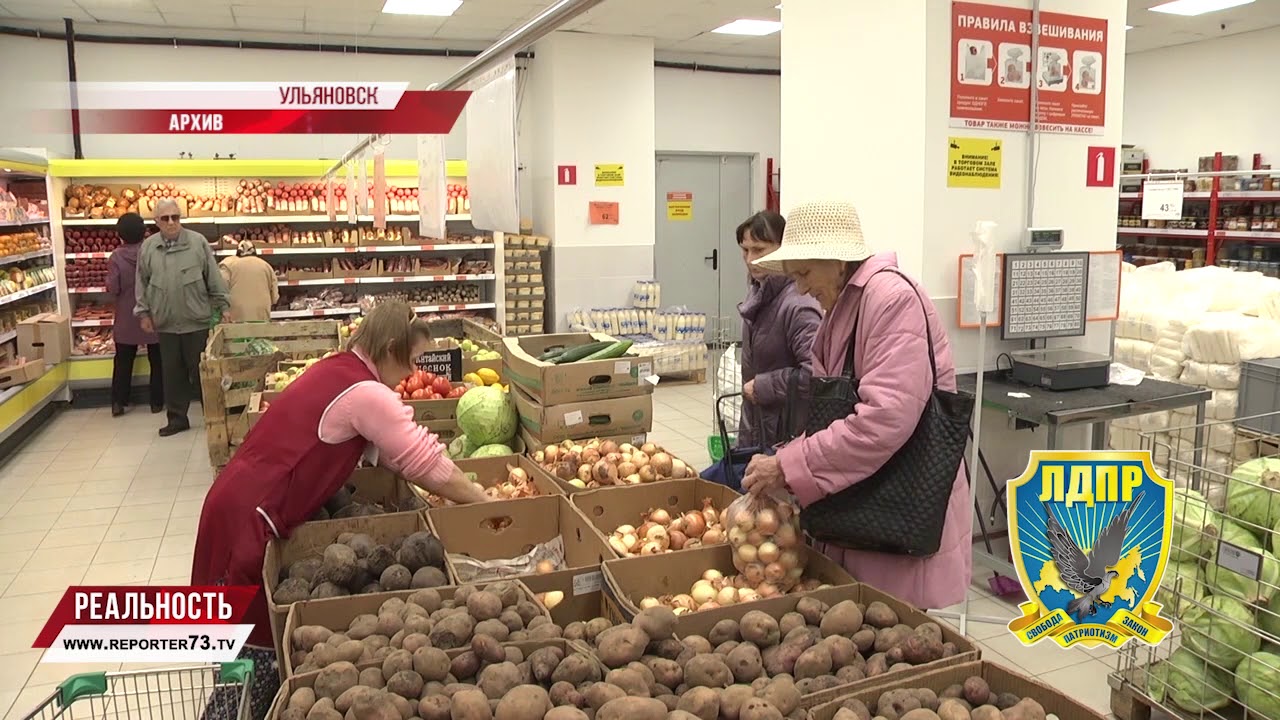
(1269, 620)
(493, 450)
(1187, 681)
(1195, 527)
(461, 448)
(487, 415)
(1221, 630)
(1253, 492)
(1225, 581)
(1258, 684)
(1191, 591)
(1238, 535)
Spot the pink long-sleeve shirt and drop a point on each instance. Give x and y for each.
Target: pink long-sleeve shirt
(374, 411)
(891, 360)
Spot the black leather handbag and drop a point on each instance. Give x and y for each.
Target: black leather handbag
(901, 508)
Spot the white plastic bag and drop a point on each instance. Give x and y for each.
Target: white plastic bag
(768, 544)
(729, 381)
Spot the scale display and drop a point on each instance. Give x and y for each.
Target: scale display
(1045, 295)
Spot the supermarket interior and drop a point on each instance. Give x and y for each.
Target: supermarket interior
(593, 420)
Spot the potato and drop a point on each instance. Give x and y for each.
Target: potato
(595, 628)
(396, 661)
(496, 680)
(292, 714)
(302, 699)
(697, 644)
(732, 699)
(928, 698)
(953, 709)
(305, 569)
(465, 665)
(513, 654)
(600, 694)
(389, 624)
(362, 626)
(976, 691)
(576, 669)
(544, 662)
(986, 712)
(1004, 700)
(372, 677)
(428, 577)
(706, 670)
(1026, 709)
(804, 636)
(629, 681)
(844, 618)
(845, 714)
(865, 640)
(701, 702)
(782, 693)
(789, 622)
(545, 631)
(620, 645)
(323, 710)
(759, 628)
(658, 623)
(723, 632)
(680, 714)
(452, 632)
(745, 663)
(667, 673)
(469, 704)
(758, 709)
(781, 659)
(669, 648)
(918, 649)
(291, 591)
(949, 649)
(434, 707)
(308, 636)
(954, 691)
(564, 712)
(812, 663)
(566, 693)
(632, 708)
(880, 615)
(344, 701)
(894, 704)
(336, 679)
(857, 707)
(727, 647)
(527, 702)
(381, 706)
(920, 714)
(528, 611)
(428, 599)
(842, 650)
(811, 609)
(484, 605)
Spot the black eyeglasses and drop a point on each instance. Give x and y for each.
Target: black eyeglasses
(168, 218)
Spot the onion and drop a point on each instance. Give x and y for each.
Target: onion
(683, 601)
(604, 473)
(649, 448)
(643, 530)
(619, 546)
(744, 521)
(658, 534)
(767, 552)
(767, 521)
(789, 559)
(613, 458)
(517, 474)
(652, 547)
(626, 468)
(591, 455)
(755, 537)
(774, 573)
(746, 553)
(727, 596)
(712, 575)
(552, 599)
(676, 525)
(767, 590)
(633, 479)
(640, 458)
(584, 473)
(714, 536)
(709, 512)
(677, 539)
(545, 566)
(679, 469)
(795, 573)
(711, 605)
(692, 543)
(566, 471)
(694, 524)
(753, 573)
(681, 611)
(608, 447)
(647, 474)
(649, 602)
(540, 457)
(661, 464)
(626, 448)
(660, 516)
(626, 530)
(551, 453)
(631, 541)
(786, 536)
(703, 592)
(746, 595)
(737, 536)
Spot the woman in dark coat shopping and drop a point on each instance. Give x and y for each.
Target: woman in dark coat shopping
(127, 330)
(778, 326)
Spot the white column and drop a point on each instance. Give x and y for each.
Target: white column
(593, 103)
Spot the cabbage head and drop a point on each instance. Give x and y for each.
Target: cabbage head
(1253, 492)
(1225, 581)
(1258, 684)
(1238, 534)
(1221, 630)
(494, 450)
(487, 415)
(1190, 683)
(1191, 591)
(1269, 621)
(461, 448)
(1195, 527)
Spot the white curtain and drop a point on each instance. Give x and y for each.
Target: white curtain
(491, 150)
(431, 187)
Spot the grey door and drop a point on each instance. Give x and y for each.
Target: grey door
(700, 201)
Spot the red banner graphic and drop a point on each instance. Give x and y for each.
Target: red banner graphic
(423, 112)
(132, 605)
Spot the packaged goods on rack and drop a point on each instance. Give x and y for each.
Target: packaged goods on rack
(93, 312)
(319, 300)
(93, 341)
(91, 240)
(27, 241)
(673, 358)
(646, 294)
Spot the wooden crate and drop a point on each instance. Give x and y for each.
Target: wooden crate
(229, 380)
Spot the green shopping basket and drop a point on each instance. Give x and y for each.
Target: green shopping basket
(170, 694)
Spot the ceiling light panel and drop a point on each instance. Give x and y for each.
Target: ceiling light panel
(747, 26)
(1191, 8)
(432, 8)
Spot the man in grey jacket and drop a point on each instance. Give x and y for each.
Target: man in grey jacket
(181, 294)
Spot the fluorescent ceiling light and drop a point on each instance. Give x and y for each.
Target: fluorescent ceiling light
(434, 8)
(1191, 8)
(744, 26)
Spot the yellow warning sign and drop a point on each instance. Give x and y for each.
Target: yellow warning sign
(679, 206)
(973, 162)
(609, 175)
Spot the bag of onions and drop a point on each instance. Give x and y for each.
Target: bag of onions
(768, 546)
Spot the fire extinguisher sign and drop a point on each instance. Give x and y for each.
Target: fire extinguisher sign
(1100, 167)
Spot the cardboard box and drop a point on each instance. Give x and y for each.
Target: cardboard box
(337, 614)
(608, 508)
(583, 590)
(310, 539)
(380, 486)
(494, 470)
(588, 418)
(509, 528)
(555, 384)
(373, 270)
(628, 580)
(700, 623)
(533, 443)
(21, 373)
(1000, 678)
(45, 336)
(445, 430)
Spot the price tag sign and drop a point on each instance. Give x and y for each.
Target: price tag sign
(1162, 200)
(1239, 560)
(443, 362)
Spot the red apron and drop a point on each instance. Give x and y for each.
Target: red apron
(277, 480)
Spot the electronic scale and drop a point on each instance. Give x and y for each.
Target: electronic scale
(1061, 368)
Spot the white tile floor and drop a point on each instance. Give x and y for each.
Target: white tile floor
(96, 500)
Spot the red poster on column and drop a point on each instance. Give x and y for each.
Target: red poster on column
(992, 70)
(379, 191)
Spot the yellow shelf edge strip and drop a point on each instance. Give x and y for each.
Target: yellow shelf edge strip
(12, 410)
(167, 168)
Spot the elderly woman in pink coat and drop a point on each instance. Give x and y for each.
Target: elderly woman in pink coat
(824, 252)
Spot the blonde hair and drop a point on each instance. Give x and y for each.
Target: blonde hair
(389, 331)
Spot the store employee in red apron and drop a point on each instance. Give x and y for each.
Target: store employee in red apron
(303, 449)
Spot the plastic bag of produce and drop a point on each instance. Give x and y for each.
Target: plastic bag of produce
(1190, 683)
(768, 545)
(728, 382)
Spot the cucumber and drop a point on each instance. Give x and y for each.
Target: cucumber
(552, 354)
(614, 350)
(575, 354)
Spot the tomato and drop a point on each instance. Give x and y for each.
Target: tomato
(456, 392)
(428, 379)
(418, 394)
(400, 389)
(441, 385)
(413, 386)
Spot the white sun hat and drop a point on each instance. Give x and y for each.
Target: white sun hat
(819, 231)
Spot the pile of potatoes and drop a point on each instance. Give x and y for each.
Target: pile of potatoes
(500, 612)
(972, 700)
(358, 565)
(344, 505)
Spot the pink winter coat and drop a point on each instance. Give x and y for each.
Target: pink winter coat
(891, 361)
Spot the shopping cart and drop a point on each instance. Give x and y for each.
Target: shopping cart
(163, 694)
